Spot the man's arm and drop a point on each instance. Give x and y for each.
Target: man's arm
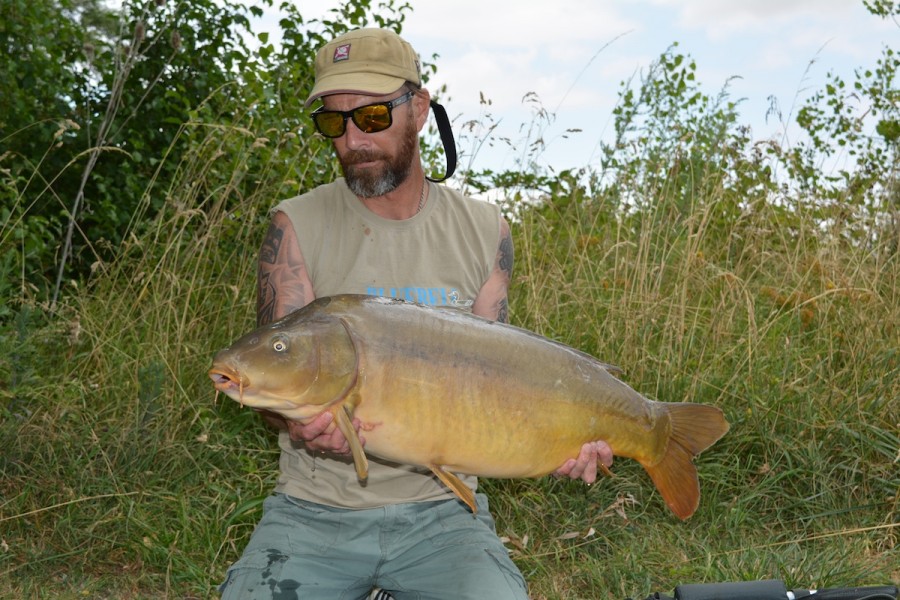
(283, 284)
(492, 302)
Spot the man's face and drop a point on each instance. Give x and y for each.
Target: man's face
(374, 164)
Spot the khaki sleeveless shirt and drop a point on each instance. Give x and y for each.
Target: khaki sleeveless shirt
(441, 256)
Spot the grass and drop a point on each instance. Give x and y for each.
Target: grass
(122, 477)
(793, 334)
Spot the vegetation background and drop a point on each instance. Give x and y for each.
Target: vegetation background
(139, 153)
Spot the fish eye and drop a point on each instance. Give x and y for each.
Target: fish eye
(279, 344)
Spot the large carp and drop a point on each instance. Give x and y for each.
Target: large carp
(456, 393)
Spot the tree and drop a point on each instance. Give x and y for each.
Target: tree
(90, 107)
(99, 109)
(856, 124)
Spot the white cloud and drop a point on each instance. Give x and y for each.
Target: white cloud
(550, 26)
(558, 50)
(719, 19)
(574, 54)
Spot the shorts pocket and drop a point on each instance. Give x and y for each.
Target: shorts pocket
(310, 528)
(457, 526)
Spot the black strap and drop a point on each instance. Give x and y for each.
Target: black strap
(443, 123)
(769, 589)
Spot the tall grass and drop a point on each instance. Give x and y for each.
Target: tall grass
(792, 331)
(122, 477)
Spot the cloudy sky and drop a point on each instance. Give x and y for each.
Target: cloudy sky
(572, 55)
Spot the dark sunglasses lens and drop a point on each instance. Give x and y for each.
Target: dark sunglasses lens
(370, 119)
(330, 123)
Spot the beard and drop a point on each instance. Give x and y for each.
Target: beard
(372, 182)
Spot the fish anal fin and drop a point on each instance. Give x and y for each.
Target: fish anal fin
(345, 424)
(457, 486)
(694, 428)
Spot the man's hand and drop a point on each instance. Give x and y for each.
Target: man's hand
(593, 455)
(319, 435)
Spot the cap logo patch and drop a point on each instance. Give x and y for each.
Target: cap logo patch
(341, 53)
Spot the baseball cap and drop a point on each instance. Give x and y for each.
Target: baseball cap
(367, 61)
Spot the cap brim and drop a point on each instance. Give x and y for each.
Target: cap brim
(367, 84)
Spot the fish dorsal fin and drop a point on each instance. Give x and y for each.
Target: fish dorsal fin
(456, 485)
(613, 370)
(344, 422)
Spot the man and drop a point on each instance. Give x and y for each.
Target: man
(383, 229)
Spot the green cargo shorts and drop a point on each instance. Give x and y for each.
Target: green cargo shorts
(422, 550)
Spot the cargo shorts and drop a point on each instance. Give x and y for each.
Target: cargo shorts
(421, 550)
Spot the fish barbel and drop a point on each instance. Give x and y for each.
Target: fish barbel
(455, 393)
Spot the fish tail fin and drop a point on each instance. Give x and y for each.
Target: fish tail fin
(695, 427)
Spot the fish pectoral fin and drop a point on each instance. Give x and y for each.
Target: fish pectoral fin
(457, 486)
(345, 424)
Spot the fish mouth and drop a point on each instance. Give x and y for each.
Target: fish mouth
(228, 380)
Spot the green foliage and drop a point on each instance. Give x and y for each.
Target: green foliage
(855, 127)
(87, 145)
(42, 81)
(883, 8)
(44, 43)
(83, 141)
(837, 121)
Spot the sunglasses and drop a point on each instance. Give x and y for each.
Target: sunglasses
(369, 118)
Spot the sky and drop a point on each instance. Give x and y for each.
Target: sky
(569, 58)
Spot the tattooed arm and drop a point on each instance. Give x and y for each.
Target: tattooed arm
(283, 283)
(492, 302)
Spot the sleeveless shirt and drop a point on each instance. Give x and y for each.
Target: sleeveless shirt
(441, 256)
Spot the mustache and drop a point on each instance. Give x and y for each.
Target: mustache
(353, 157)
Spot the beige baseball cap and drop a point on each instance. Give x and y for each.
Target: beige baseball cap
(367, 61)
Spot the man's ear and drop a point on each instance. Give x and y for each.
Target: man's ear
(422, 104)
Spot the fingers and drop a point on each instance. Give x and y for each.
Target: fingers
(604, 456)
(306, 432)
(593, 456)
(564, 470)
(322, 435)
(586, 464)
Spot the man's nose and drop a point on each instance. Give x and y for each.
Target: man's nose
(354, 137)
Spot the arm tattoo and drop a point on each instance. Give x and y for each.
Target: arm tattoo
(505, 255)
(505, 263)
(283, 283)
(271, 245)
(503, 314)
(265, 293)
(265, 301)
